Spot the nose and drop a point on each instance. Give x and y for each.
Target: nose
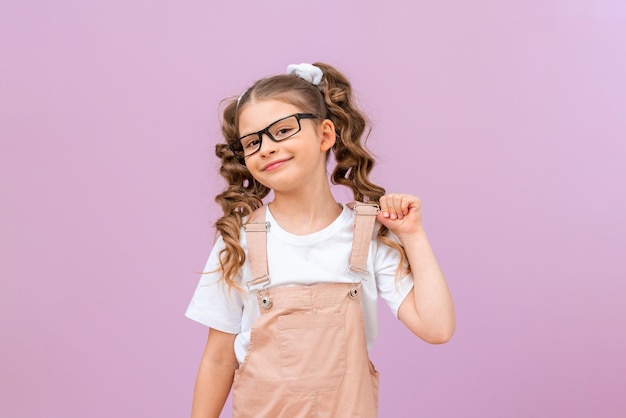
(268, 146)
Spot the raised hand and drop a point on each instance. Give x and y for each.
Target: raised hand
(401, 214)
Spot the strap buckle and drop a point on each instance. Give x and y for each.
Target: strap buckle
(260, 283)
(256, 226)
(358, 274)
(368, 209)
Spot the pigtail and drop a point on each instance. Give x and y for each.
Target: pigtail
(354, 161)
(243, 194)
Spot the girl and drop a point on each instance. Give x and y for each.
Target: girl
(290, 297)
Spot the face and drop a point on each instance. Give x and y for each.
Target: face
(291, 163)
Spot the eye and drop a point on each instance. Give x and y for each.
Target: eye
(284, 128)
(251, 142)
(285, 131)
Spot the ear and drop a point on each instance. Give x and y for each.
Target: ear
(328, 135)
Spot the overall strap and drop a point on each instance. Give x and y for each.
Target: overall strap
(256, 236)
(364, 221)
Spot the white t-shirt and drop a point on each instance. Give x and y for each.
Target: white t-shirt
(321, 257)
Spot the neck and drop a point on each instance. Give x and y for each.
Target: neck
(305, 211)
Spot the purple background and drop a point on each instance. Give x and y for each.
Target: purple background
(506, 118)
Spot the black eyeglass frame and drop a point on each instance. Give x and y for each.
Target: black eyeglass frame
(266, 131)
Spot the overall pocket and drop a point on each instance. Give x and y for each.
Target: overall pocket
(312, 350)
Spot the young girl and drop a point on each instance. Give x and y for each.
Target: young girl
(290, 293)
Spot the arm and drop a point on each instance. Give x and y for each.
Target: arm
(215, 375)
(427, 310)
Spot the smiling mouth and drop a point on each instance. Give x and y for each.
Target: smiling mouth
(274, 164)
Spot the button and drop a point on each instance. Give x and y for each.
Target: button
(266, 302)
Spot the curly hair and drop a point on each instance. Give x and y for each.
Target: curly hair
(244, 194)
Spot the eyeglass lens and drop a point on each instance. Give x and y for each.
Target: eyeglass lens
(278, 131)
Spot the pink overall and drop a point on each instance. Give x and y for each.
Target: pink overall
(308, 354)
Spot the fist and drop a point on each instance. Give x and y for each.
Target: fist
(400, 213)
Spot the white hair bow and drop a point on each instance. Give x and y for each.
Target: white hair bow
(308, 72)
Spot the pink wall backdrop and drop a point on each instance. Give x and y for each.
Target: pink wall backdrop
(507, 118)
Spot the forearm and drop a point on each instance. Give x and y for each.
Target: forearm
(215, 375)
(213, 384)
(433, 307)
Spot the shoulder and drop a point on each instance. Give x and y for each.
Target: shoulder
(258, 215)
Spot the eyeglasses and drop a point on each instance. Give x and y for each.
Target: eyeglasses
(278, 131)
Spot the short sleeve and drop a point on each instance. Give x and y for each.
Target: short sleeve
(392, 290)
(213, 303)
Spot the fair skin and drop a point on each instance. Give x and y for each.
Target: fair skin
(295, 169)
